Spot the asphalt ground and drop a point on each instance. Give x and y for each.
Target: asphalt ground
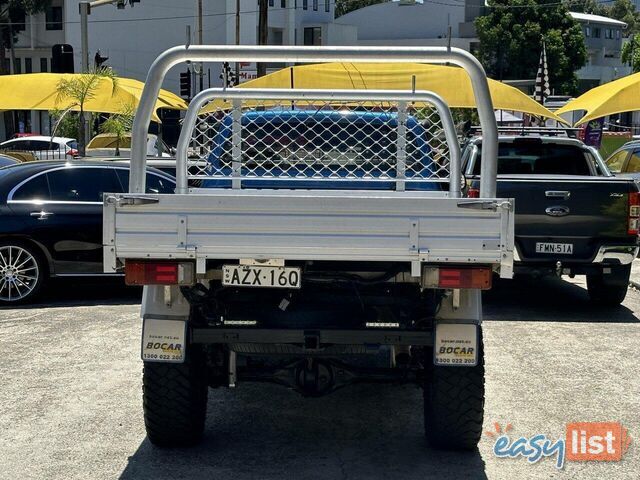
(70, 397)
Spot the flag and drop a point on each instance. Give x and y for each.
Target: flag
(542, 78)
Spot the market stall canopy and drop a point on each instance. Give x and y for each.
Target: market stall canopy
(451, 83)
(622, 95)
(38, 91)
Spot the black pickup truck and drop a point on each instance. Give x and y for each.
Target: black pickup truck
(572, 216)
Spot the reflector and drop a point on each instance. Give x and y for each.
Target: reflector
(138, 272)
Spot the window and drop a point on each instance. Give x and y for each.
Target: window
(154, 183)
(283, 3)
(271, 3)
(634, 162)
(43, 65)
(53, 18)
(42, 145)
(618, 34)
(315, 5)
(526, 158)
(608, 33)
(313, 36)
(28, 67)
(35, 189)
(17, 66)
(596, 33)
(305, 4)
(82, 184)
(18, 20)
(326, 6)
(587, 31)
(616, 161)
(158, 184)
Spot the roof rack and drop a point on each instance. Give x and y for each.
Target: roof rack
(539, 131)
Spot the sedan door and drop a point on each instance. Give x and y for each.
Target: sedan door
(62, 210)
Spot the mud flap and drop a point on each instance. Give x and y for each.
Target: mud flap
(164, 340)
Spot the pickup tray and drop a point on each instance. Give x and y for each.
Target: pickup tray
(343, 225)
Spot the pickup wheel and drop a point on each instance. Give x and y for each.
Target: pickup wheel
(175, 400)
(454, 405)
(609, 289)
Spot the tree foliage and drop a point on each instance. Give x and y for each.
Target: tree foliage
(511, 35)
(81, 88)
(345, 6)
(631, 54)
(118, 125)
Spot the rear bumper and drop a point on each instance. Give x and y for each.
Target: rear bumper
(606, 257)
(616, 255)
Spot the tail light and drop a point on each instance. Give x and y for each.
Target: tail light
(457, 277)
(634, 213)
(473, 192)
(72, 152)
(138, 272)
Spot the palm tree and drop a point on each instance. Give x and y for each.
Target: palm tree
(80, 89)
(119, 124)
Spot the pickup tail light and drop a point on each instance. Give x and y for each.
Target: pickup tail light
(634, 213)
(457, 277)
(143, 272)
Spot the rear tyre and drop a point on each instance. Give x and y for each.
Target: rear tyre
(23, 271)
(454, 405)
(175, 400)
(609, 289)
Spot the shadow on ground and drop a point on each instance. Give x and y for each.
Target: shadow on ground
(72, 292)
(266, 431)
(548, 299)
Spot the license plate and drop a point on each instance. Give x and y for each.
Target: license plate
(456, 345)
(163, 340)
(257, 276)
(558, 248)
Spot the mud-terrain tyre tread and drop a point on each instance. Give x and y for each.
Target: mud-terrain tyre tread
(454, 405)
(175, 401)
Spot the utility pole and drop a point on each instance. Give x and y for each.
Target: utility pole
(85, 10)
(263, 16)
(199, 33)
(237, 39)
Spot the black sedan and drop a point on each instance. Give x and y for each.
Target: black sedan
(51, 220)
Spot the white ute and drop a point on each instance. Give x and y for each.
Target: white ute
(327, 243)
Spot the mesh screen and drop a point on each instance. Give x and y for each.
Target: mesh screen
(319, 141)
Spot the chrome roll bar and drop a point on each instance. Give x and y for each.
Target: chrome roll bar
(311, 54)
(333, 95)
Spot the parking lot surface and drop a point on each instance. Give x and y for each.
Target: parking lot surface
(70, 397)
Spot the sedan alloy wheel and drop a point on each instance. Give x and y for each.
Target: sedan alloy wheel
(20, 274)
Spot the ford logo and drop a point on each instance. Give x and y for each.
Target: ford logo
(557, 211)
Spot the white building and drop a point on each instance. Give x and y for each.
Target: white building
(603, 39)
(409, 22)
(133, 37)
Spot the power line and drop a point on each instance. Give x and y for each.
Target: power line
(208, 15)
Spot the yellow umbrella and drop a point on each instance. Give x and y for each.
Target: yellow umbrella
(451, 83)
(622, 95)
(38, 91)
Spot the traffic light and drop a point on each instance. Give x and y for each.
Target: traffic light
(62, 58)
(99, 60)
(185, 84)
